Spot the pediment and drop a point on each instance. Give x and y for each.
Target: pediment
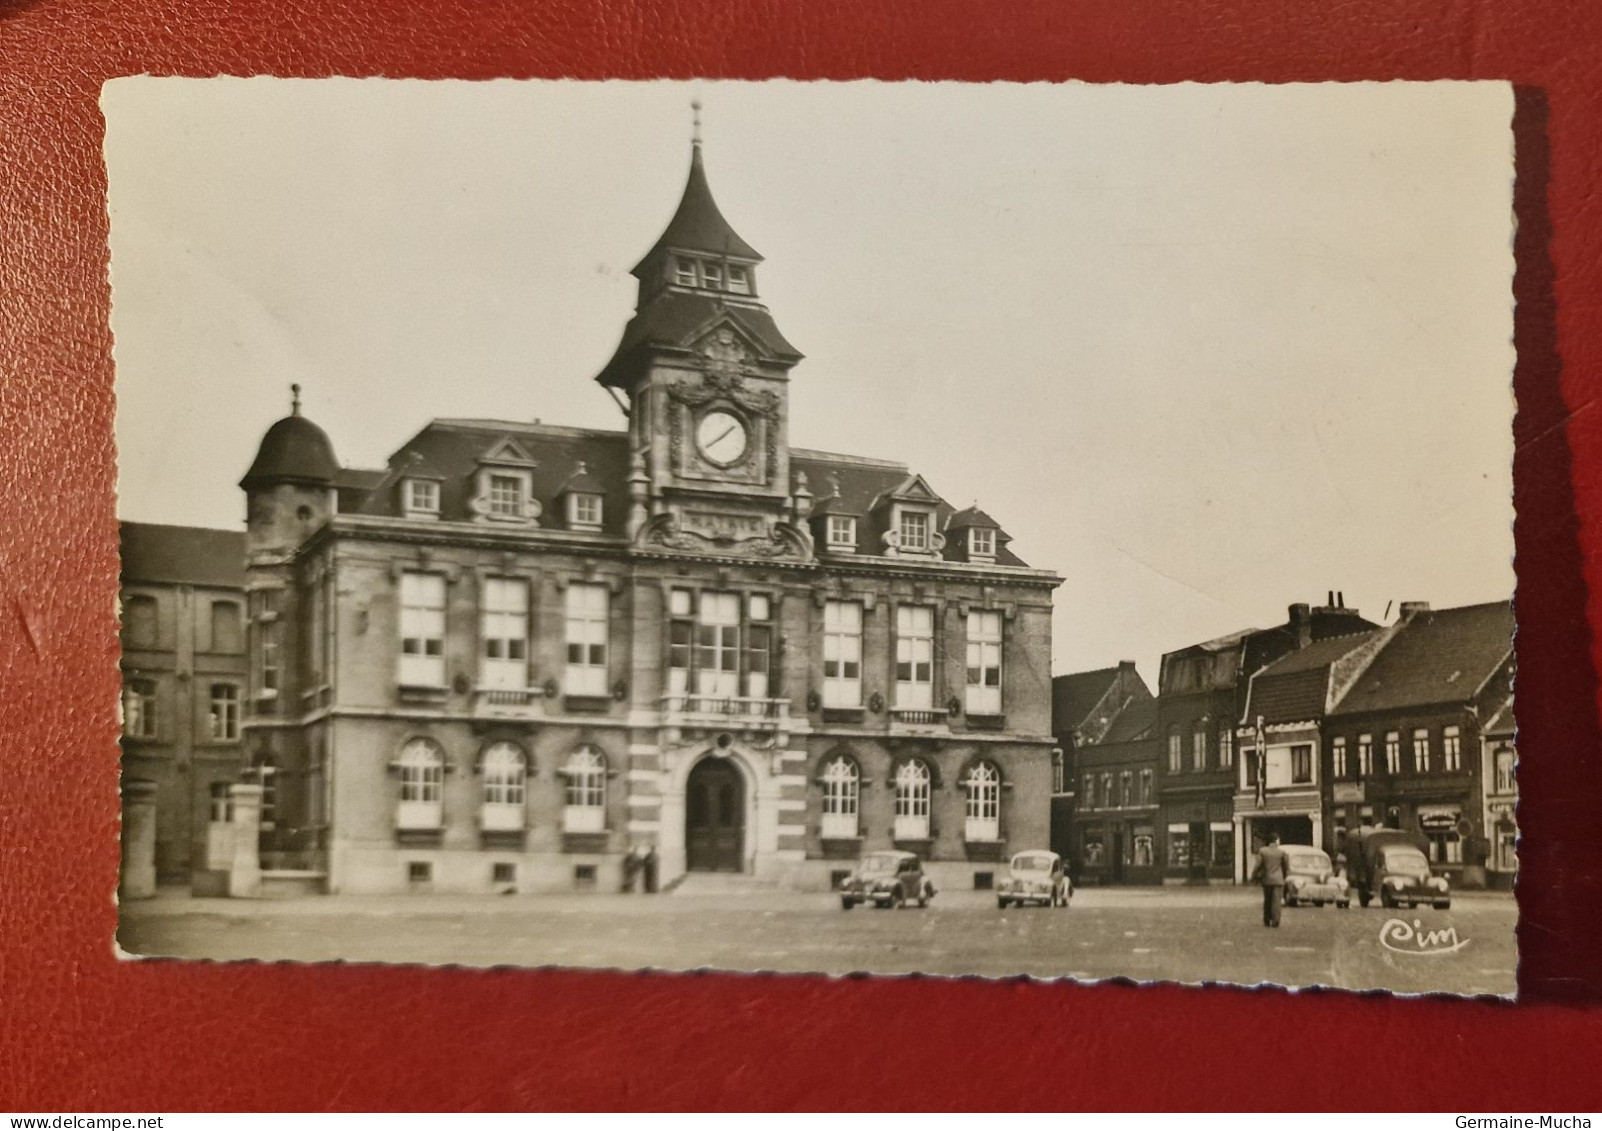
(913, 489)
(508, 452)
(723, 340)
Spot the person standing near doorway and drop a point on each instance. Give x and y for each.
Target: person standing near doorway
(1272, 865)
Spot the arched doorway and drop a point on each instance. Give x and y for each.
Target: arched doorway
(714, 817)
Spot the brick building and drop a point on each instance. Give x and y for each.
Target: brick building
(1102, 813)
(521, 652)
(183, 678)
(1281, 771)
(1407, 748)
(1201, 692)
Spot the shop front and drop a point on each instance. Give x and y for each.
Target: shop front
(1120, 850)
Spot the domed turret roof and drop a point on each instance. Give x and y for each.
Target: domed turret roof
(294, 451)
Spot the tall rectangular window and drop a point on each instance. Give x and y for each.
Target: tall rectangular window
(914, 530)
(1147, 794)
(758, 666)
(1059, 772)
(1226, 746)
(1337, 753)
(681, 640)
(984, 663)
(842, 654)
(1421, 751)
(586, 639)
(1393, 752)
(1087, 794)
(915, 657)
(1176, 751)
(503, 630)
(139, 708)
(717, 645)
(422, 628)
(1365, 755)
(1126, 789)
(1301, 764)
(1451, 749)
(1504, 771)
(139, 629)
(225, 629)
(224, 714)
(1198, 747)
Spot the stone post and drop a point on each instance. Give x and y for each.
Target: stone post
(244, 876)
(138, 839)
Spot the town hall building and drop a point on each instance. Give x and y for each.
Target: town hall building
(521, 654)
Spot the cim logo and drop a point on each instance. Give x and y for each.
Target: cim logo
(1402, 937)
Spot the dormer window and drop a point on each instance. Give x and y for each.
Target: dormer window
(712, 276)
(739, 280)
(584, 511)
(421, 498)
(842, 532)
(506, 495)
(914, 531)
(981, 543)
(684, 272)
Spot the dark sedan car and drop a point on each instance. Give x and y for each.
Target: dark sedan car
(887, 879)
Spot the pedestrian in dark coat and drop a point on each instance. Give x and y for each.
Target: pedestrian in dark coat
(1273, 865)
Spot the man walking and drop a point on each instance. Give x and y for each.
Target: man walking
(1272, 866)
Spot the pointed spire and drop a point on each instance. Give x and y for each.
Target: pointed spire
(698, 225)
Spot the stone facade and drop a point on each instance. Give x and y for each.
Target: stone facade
(523, 657)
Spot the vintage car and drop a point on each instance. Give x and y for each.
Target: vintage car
(888, 879)
(1311, 878)
(1035, 877)
(1390, 865)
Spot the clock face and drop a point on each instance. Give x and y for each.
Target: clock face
(721, 437)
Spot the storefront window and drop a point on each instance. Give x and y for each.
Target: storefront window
(1094, 848)
(1143, 856)
(1223, 846)
(1179, 847)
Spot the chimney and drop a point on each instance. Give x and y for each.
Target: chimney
(1411, 609)
(1301, 621)
(1126, 665)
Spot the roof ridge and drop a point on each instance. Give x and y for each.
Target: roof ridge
(867, 461)
(479, 424)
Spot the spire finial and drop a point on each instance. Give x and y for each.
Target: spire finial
(294, 400)
(695, 128)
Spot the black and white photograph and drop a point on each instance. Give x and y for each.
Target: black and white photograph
(1059, 530)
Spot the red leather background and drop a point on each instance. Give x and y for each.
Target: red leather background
(81, 1031)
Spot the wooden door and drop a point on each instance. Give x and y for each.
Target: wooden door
(714, 832)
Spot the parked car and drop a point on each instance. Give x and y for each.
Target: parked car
(1312, 878)
(1390, 865)
(887, 879)
(1037, 877)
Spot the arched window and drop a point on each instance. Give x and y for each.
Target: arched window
(585, 811)
(505, 774)
(840, 791)
(1059, 772)
(983, 785)
(422, 785)
(912, 801)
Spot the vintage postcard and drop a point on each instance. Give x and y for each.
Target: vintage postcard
(991, 529)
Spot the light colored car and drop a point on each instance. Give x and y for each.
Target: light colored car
(887, 879)
(1313, 879)
(1034, 877)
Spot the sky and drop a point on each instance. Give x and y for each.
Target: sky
(1204, 350)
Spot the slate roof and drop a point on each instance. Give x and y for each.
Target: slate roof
(1295, 688)
(1440, 656)
(971, 516)
(1075, 695)
(1135, 723)
(698, 224)
(294, 450)
(672, 320)
(182, 555)
(450, 451)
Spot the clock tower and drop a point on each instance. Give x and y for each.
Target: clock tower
(706, 374)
